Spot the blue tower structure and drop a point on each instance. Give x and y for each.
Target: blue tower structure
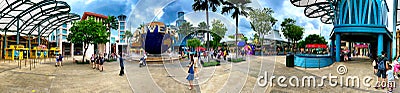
(353, 21)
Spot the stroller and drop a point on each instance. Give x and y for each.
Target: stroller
(142, 61)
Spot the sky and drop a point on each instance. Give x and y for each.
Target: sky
(144, 11)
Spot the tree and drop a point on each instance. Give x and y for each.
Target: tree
(127, 35)
(218, 27)
(245, 39)
(219, 30)
(202, 25)
(185, 28)
(312, 39)
(262, 22)
(88, 32)
(291, 31)
(256, 38)
(239, 7)
(111, 23)
(193, 42)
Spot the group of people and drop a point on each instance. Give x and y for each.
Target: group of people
(59, 58)
(220, 53)
(97, 62)
(386, 75)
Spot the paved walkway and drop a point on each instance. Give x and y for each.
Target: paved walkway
(170, 77)
(361, 68)
(71, 78)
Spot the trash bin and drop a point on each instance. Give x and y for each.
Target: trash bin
(290, 60)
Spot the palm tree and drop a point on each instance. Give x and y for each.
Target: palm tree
(199, 5)
(239, 7)
(185, 28)
(127, 35)
(111, 23)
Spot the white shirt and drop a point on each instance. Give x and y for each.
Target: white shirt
(390, 75)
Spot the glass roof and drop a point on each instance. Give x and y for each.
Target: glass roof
(26, 16)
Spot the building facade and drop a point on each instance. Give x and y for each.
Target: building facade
(122, 43)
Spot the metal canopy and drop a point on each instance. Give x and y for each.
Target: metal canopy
(317, 8)
(26, 16)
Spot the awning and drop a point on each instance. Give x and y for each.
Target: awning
(316, 46)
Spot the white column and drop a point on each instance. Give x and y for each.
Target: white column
(72, 50)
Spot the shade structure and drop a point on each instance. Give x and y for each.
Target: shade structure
(34, 17)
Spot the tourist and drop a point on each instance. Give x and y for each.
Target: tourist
(375, 63)
(382, 67)
(196, 65)
(101, 64)
(396, 65)
(60, 58)
(121, 64)
(390, 77)
(57, 60)
(93, 60)
(190, 76)
(97, 62)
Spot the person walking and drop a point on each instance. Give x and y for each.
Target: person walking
(93, 60)
(60, 59)
(190, 76)
(101, 64)
(382, 68)
(57, 60)
(121, 64)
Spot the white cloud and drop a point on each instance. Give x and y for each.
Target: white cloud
(88, 2)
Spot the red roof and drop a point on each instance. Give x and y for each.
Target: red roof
(86, 14)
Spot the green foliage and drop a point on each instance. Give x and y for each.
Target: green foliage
(88, 32)
(211, 63)
(128, 35)
(218, 27)
(312, 39)
(202, 25)
(205, 5)
(236, 60)
(111, 22)
(239, 7)
(185, 28)
(245, 39)
(262, 21)
(231, 36)
(291, 31)
(193, 42)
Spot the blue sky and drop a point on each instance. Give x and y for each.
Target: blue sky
(143, 11)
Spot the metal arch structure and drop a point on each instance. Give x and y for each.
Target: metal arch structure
(41, 9)
(53, 21)
(24, 16)
(50, 29)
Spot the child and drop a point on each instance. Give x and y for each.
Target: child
(60, 57)
(390, 77)
(101, 60)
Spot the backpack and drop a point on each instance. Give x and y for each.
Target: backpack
(381, 65)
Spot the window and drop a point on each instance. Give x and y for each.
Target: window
(121, 41)
(64, 37)
(121, 25)
(64, 25)
(112, 39)
(64, 31)
(57, 31)
(121, 33)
